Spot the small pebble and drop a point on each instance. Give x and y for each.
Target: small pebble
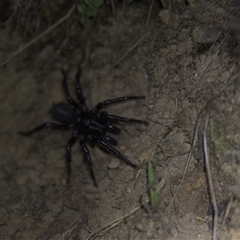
(114, 163)
(169, 18)
(140, 227)
(129, 190)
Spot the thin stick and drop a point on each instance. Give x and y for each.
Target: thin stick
(210, 184)
(132, 48)
(187, 164)
(149, 12)
(227, 211)
(114, 223)
(208, 103)
(117, 221)
(13, 55)
(113, 8)
(69, 231)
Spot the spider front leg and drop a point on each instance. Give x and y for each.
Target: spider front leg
(88, 160)
(113, 129)
(46, 125)
(79, 90)
(67, 94)
(110, 140)
(116, 100)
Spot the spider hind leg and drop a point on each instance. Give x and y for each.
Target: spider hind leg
(105, 145)
(88, 160)
(45, 125)
(69, 157)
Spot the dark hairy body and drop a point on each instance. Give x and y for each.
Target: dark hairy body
(89, 126)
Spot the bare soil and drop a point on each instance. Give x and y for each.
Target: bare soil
(184, 60)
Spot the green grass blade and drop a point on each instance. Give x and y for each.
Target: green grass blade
(152, 186)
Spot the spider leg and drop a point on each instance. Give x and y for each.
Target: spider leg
(111, 140)
(79, 90)
(117, 153)
(113, 129)
(65, 88)
(88, 160)
(116, 100)
(46, 125)
(68, 154)
(123, 119)
(98, 127)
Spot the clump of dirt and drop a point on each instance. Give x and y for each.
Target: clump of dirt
(183, 56)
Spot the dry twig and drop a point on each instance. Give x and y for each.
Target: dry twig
(210, 183)
(14, 54)
(113, 8)
(227, 211)
(112, 224)
(149, 12)
(187, 163)
(131, 49)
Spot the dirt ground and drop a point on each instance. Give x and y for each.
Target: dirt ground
(181, 55)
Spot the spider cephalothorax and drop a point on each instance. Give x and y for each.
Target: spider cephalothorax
(88, 125)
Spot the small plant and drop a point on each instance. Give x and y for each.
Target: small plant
(153, 194)
(88, 9)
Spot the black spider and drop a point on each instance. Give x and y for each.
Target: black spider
(88, 125)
